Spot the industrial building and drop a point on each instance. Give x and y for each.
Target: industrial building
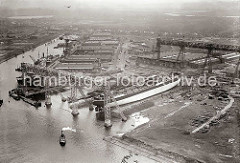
(99, 47)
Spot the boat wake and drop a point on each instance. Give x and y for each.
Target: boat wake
(68, 129)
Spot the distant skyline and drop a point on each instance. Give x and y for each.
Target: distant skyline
(53, 4)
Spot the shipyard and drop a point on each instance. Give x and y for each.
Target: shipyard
(102, 82)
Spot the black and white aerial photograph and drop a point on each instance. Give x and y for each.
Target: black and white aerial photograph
(119, 81)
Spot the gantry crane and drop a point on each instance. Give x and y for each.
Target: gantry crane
(72, 99)
(106, 110)
(108, 96)
(210, 46)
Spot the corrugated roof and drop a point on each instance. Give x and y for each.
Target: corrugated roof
(61, 66)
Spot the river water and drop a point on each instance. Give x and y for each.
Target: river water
(28, 134)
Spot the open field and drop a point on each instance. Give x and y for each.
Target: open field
(170, 126)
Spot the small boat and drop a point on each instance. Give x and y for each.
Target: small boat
(1, 102)
(14, 95)
(62, 139)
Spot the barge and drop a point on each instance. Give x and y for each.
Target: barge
(31, 102)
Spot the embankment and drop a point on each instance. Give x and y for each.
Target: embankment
(21, 50)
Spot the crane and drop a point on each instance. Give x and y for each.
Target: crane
(210, 46)
(75, 82)
(124, 118)
(108, 96)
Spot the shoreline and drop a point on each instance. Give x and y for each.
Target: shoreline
(149, 151)
(17, 52)
(138, 140)
(144, 148)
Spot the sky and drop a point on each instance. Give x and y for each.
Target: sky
(93, 3)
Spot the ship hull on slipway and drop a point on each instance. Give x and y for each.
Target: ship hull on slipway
(131, 98)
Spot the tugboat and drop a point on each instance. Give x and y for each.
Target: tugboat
(48, 102)
(62, 139)
(1, 102)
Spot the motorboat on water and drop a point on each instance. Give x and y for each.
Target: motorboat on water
(62, 139)
(1, 102)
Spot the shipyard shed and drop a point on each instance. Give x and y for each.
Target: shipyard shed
(87, 67)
